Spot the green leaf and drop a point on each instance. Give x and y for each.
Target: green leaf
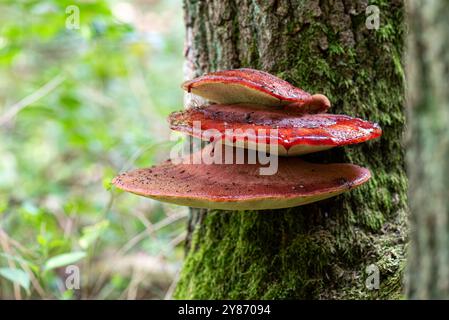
(92, 233)
(17, 276)
(18, 259)
(64, 259)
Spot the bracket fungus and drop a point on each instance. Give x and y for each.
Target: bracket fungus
(240, 186)
(256, 125)
(249, 109)
(255, 87)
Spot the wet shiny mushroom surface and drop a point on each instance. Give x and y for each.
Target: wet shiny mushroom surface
(294, 132)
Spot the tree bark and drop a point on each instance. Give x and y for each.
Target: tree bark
(428, 149)
(320, 250)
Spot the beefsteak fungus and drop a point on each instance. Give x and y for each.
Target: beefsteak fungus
(240, 186)
(250, 109)
(254, 87)
(295, 133)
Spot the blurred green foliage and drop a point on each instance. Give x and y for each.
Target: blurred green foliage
(77, 106)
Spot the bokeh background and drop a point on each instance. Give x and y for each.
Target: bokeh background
(77, 106)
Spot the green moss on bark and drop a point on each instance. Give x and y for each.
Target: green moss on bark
(319, 250)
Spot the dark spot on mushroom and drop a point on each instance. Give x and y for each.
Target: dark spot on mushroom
(248, 118)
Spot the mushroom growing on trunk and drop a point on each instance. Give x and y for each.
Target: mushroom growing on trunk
(256, 125)
(254, 109)
(241, 186)
(255, 87)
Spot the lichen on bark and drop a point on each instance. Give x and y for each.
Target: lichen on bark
(319, 250)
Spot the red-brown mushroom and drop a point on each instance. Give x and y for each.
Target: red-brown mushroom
(295, 133)
(254, 87)
(254, 110)
(240, 186)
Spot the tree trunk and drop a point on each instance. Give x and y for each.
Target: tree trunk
(428, 152)
(320, 250)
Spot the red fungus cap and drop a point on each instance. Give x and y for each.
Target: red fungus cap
(296, 133)
(240, 186)
(255, 87)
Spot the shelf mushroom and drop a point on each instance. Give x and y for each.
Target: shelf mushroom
(260, 109)
(255, 87)
(253, 125)
(240, 186)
